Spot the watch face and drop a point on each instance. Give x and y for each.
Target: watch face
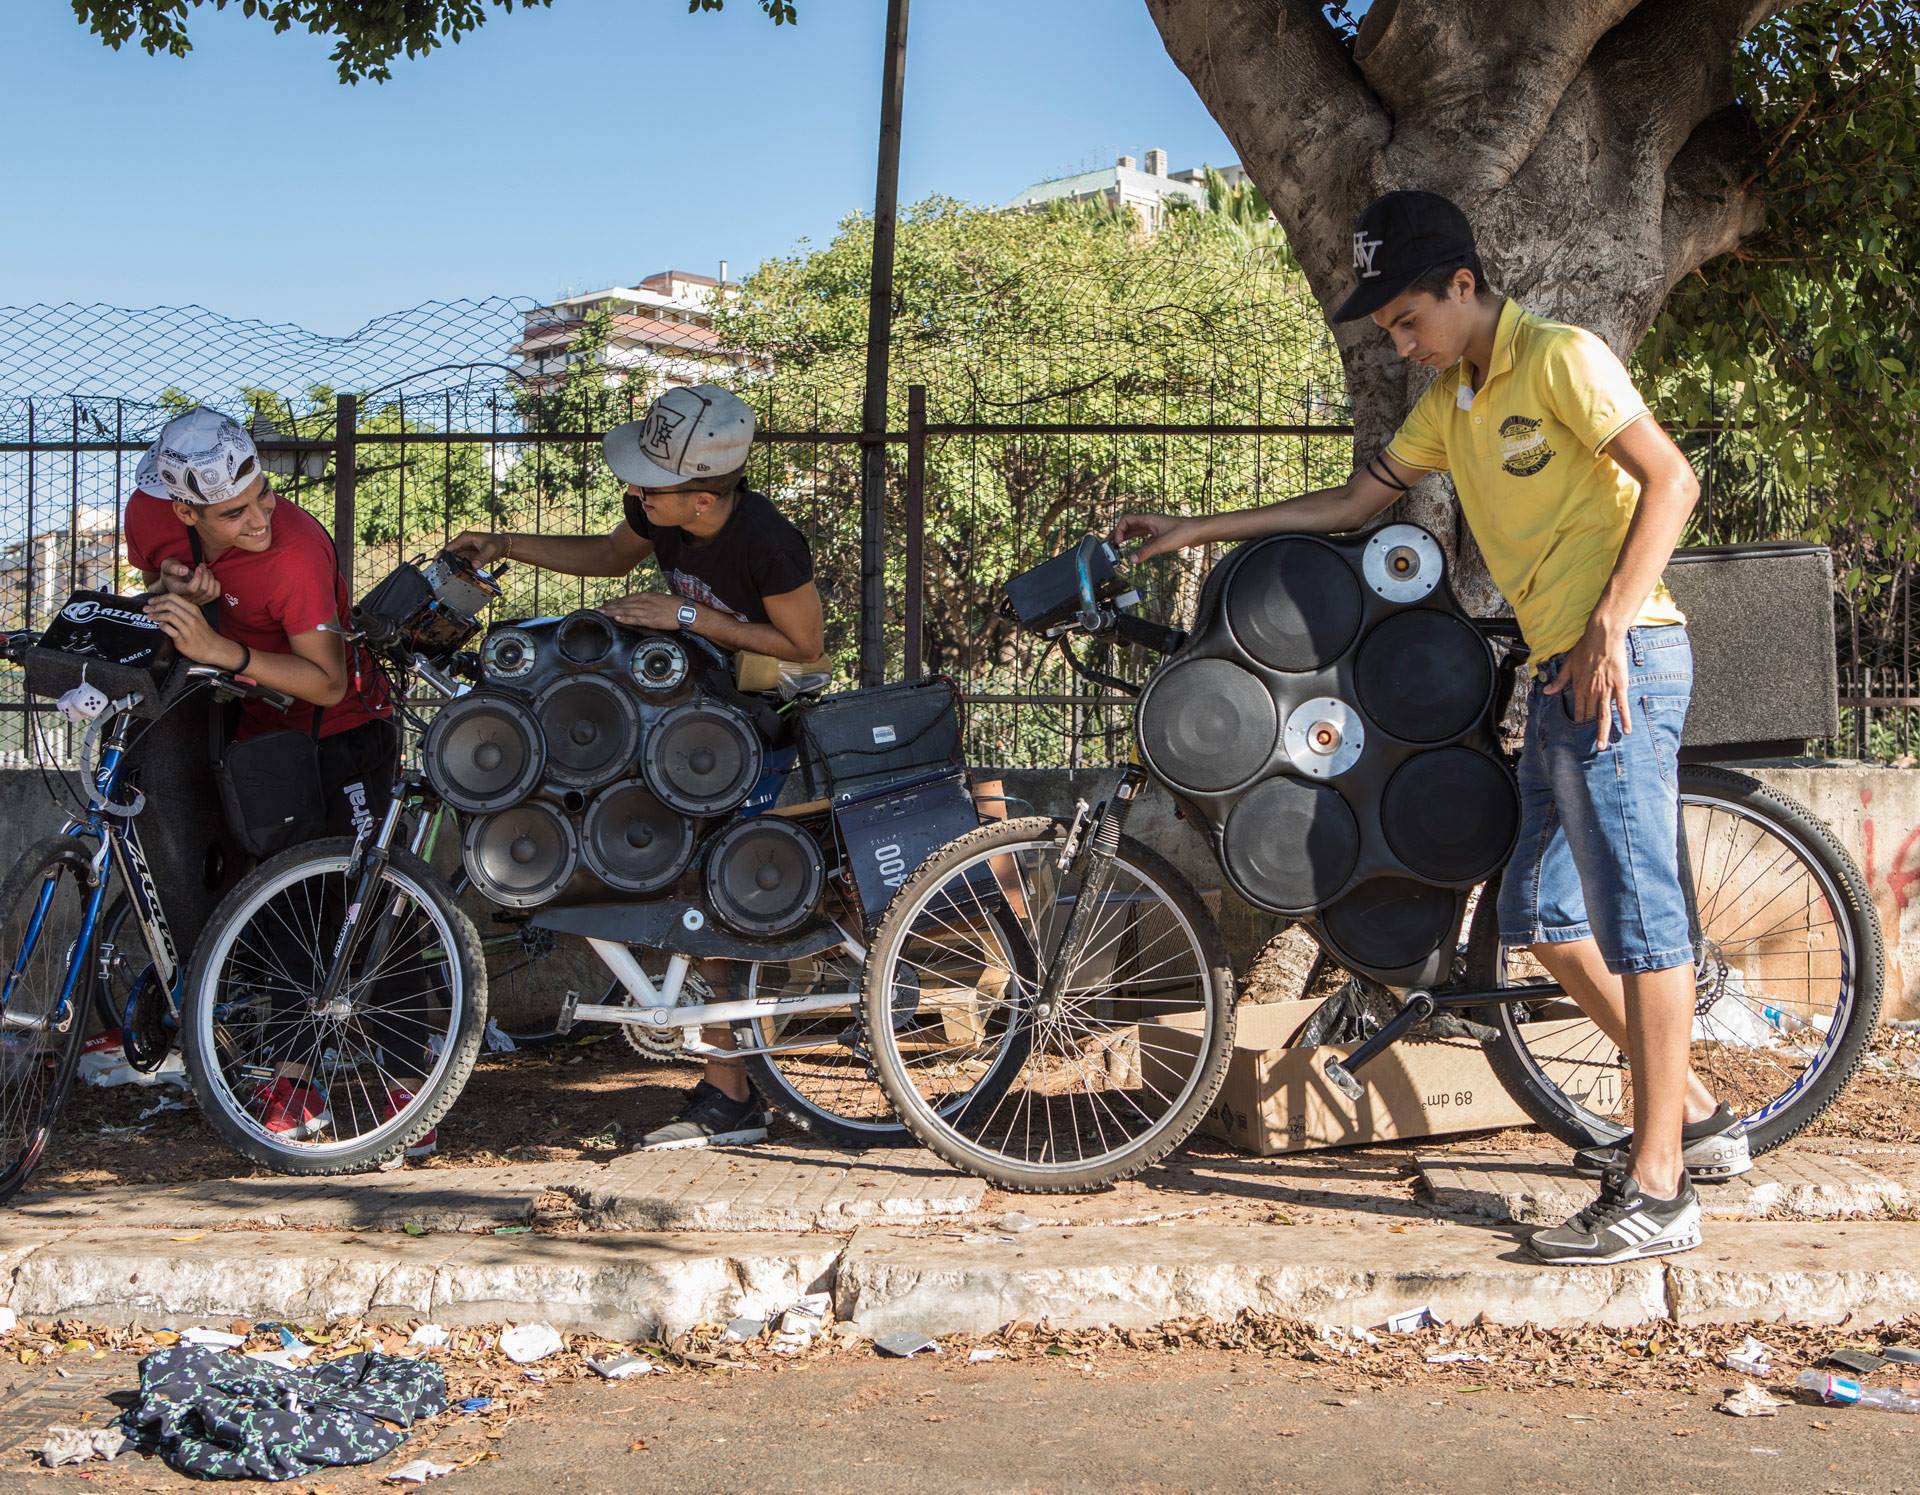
(687, 616)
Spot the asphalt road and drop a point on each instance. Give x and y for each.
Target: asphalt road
(1203, 1420)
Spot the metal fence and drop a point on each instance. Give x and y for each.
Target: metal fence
(500, 428)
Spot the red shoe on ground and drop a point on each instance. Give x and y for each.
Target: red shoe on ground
(292, 1109)
(398, 1099)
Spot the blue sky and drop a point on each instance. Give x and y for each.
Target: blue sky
(554, 150)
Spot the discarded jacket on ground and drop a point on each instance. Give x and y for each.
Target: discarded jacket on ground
(218, 1415)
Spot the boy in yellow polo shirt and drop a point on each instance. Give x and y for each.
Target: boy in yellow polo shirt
(1577, 498)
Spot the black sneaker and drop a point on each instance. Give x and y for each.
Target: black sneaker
(1713, 1150)
(1624, 1224)
(709, 1119)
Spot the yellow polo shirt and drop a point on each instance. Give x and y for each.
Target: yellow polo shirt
(1550, 511)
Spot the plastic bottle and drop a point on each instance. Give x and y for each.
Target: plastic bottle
(1844, 1391)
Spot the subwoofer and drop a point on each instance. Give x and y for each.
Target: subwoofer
(586, 638)
(632, 842)
(1207, 725)
(1424, 675)
(1294, 605)
(1450, 815)
(1391, 922)
(521, 857)
(485, 751)
(702, 758)
(592, 728)
(1290, 845)
(764, 876)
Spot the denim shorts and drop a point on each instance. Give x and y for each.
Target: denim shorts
(1598, 850)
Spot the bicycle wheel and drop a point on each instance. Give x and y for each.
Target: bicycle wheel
(310, 1087)
(822, 1080)
(1107, 1084)
(45, 1000)
(1788, 977)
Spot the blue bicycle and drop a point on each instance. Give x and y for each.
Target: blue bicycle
(59, 935)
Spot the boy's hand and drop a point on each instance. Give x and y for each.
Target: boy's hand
(481, 547)
(645, 610)
(197, 584)
(1164, 532)
(186, 625)
(1596, 671)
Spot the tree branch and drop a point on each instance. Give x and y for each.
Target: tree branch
(1307, 127)
(1430, 64)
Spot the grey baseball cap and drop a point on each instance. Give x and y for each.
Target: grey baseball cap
(701, 431)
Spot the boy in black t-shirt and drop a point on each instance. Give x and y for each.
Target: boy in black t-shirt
(738, 573)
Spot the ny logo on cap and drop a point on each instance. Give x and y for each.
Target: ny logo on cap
(1363, 252)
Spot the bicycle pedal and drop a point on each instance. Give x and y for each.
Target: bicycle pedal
(564, 1023)
(1343, 1079)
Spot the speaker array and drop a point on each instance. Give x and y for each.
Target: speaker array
(592, 760)
(1329, 721)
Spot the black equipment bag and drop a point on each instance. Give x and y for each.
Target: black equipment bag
(861, 741)
(110, 643)
(270, 784)
(887, 835)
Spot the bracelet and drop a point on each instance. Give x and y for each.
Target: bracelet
(246, 658)
(506, 546)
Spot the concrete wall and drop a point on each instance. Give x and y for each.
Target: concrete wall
(1875, 813)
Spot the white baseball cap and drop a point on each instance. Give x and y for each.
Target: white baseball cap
(201, 458)
(702, 431)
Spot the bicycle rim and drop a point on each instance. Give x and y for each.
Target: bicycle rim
(392, 1029)
(1776, 979)
(39, 942)
(1090, 1088)
(825, 1078)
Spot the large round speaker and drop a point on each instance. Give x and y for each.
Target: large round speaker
(1291, 844)
(585, 637)
(1207, 724)
(592, 729)
(521, 856)
(1294, 604)
(702, 758)
(1424, 676)
(484, 751)
(764, 876)
(1450, 815)
(632, 842)
(1391, 921)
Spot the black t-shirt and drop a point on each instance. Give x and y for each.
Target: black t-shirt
(757, 554)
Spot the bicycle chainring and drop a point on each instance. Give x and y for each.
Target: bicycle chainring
(665, 1045)
(146, 1035)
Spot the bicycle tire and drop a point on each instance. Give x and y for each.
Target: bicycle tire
(1047, 837)
(1860, 963)
(36, 1078)
(457, 947)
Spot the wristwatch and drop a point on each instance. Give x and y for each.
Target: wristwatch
(688, 615)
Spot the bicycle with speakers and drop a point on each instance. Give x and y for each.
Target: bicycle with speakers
(1331, 726)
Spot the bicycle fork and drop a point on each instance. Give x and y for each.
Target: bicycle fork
(1093, 841)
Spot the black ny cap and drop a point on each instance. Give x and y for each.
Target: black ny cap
(1398, 237)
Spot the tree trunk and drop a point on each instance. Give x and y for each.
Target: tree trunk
(1593, 146)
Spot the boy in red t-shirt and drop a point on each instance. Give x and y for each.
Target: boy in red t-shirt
(222, 535)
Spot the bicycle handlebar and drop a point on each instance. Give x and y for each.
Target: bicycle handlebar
(228, 683)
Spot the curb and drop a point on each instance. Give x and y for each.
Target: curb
(636, 1285)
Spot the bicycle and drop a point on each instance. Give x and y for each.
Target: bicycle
(62, 945)
(1123, 1057)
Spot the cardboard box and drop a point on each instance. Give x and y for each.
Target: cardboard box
(1277, 1099)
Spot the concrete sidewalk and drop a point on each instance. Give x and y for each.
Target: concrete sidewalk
(656, 1243)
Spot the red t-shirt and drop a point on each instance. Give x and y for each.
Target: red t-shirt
(266, 597)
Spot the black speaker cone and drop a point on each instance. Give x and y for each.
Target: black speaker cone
(1388, 922)
(702, 758)
(592, 729)
(764, 876)
(521, 857)
(1450, 815)
(1207, 725)
(1290, 844)
(585, 637)
(1423, 675)
(632, 842)
(1294, 604)
(484, 752)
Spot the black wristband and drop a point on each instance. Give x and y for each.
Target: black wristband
(246, 658)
